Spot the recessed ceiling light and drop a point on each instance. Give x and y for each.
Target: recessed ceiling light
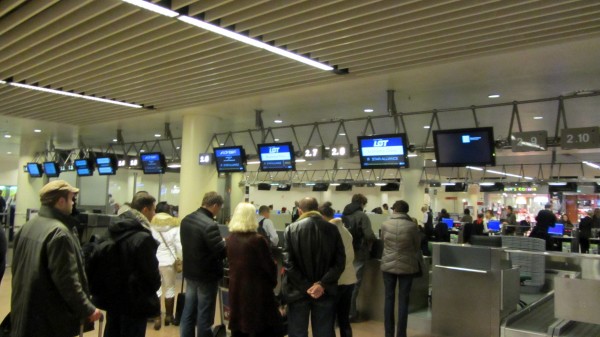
(8, 152)
(309, 164)
(179, 147)
(494, 96)
(7, 136)
(276, 139)
(221, 144)
(142, 150)
(342, 134)
(278, 121)
(426, 127)
(115, 140)
(37, 130)
(538, 117)
(435, 161)
(368, 110)
(157, 135)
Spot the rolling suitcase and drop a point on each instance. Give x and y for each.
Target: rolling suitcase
(179, 305)
(100, 326)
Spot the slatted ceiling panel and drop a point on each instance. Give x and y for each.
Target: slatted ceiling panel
(8, 5)
(177, 4)
(266, 13)
(23, 13)
(199, 7)
(233, 8)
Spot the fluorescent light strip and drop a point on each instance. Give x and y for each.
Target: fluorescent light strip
(380, 184)
(448, 184)
(252, 42)
(486, 184)
(335, 184)
(591, 165)
(474, 168)
(71, 94)
(557, 183)
(253, 162)
(300, 160)
(152, 7)
(412, 155)
(2, 82)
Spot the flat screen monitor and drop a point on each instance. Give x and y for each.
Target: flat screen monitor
(153, 163)
(107, 165)
(464, 147)
(34, 169)
(84, 167)
(230, 159)
(494, 226)
(558, 229)
(337, 215)
(51, 169)
(449, 222)
(277, 157)
(383, 151)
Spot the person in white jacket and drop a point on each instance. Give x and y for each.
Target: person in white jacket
(348, 278)
(165, 229)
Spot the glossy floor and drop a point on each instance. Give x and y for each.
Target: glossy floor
(364, 329)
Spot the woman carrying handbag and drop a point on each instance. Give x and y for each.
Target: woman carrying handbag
(165, 229)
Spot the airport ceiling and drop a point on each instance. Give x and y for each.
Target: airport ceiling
(435, 54)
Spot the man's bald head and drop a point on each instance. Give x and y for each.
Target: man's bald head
(309, 204)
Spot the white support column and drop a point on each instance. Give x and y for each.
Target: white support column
(28, 188)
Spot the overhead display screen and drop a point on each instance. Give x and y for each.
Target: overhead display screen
(106, 165)
(464, 147)
(84, 167)
(230, 159)
(153, 163)
(51, 169)
(34, 169)
(383, 151)
(277, 157)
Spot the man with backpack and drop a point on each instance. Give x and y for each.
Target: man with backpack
(265, 225)
(359, 225)
(123, 271)
(50, 295)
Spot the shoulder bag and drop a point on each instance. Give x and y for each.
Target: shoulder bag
(178, 264)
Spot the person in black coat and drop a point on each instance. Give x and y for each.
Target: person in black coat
(203, 254)
(128, 309)
(585, 232)
(545, 219)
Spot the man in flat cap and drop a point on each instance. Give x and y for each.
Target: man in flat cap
(50, 295)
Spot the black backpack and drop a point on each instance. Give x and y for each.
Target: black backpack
(104, 262)
(355, 228)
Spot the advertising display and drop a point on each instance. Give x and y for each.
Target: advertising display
(230, 159)
(463, 147)
(383, 151)
(153, 163)
(277, 157)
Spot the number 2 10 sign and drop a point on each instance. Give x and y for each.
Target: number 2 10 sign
(580, 138)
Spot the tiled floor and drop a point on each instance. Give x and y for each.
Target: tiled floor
(365, 329)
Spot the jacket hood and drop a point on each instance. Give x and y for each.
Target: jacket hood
(351, 208)
(309, 213)
(163, 222)
(130, 220)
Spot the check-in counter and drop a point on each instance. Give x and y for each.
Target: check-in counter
(473, 290)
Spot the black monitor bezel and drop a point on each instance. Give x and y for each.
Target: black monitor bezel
(491, 145)
(242, 155)
(113, 164)
(292, 155)
(389, 135)
(163, 162)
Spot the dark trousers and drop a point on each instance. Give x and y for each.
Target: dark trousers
(199, 311)
(265, 333)
(404, 282)
(124, 326)
(342, 309)
(584, 244)
(321, 313)
(360, 259)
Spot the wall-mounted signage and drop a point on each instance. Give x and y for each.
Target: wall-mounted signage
(205, 158)
(340, 151)
(520, 189)
(529, 141)
(314, 153)
(580, 138)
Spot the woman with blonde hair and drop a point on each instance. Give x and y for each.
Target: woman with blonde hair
(165, 230)
(252, 278)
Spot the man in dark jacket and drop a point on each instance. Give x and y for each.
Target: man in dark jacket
(314, 261)
(50, 295)
(134, 300)
(359, 225)
(585, 232)
(203, 254)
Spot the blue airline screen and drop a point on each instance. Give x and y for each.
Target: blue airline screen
(50, 169)
(34, 170)
(81, 163)
(102, 161)
(229, 159)
(276, 157)
(152, 163)
(382, 152)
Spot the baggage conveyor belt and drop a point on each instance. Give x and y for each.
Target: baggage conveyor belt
(533, 321)
(538, 320)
